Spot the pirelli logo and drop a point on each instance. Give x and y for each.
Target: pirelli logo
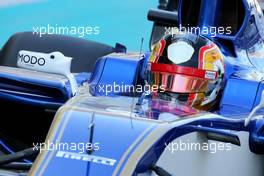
(85, 157)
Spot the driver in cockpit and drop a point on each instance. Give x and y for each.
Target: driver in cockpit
(190, 68)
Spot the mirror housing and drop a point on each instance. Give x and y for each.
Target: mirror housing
(163, 17)
(164, 21)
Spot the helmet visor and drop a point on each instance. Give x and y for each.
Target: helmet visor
(178, 79)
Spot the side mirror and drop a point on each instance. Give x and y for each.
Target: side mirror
(255, 110)
(55, 63)
(163, 17)
(218, 135)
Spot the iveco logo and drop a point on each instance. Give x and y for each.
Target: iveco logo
(84, 157)
(30, 59)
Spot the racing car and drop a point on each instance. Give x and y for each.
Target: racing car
(61, 90)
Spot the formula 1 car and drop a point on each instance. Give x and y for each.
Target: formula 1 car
(101, 131)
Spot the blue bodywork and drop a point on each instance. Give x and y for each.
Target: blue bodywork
(133, 142)
(47, 93)
(132, 136)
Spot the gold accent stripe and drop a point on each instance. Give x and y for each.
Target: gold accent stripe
(130, 148)
(59, 139)
(51, 134)
(149, 141)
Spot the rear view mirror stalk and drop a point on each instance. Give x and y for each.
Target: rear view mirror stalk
(218, 135)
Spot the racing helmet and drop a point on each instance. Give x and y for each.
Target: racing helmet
(187, 68)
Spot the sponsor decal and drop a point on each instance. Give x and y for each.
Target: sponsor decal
(86, 157)
(31, 60)
(210, 75)
(54, 62)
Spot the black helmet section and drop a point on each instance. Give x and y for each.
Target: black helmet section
(84, 52)
(197, 42)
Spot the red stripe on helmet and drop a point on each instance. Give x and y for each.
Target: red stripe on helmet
(188, 71)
